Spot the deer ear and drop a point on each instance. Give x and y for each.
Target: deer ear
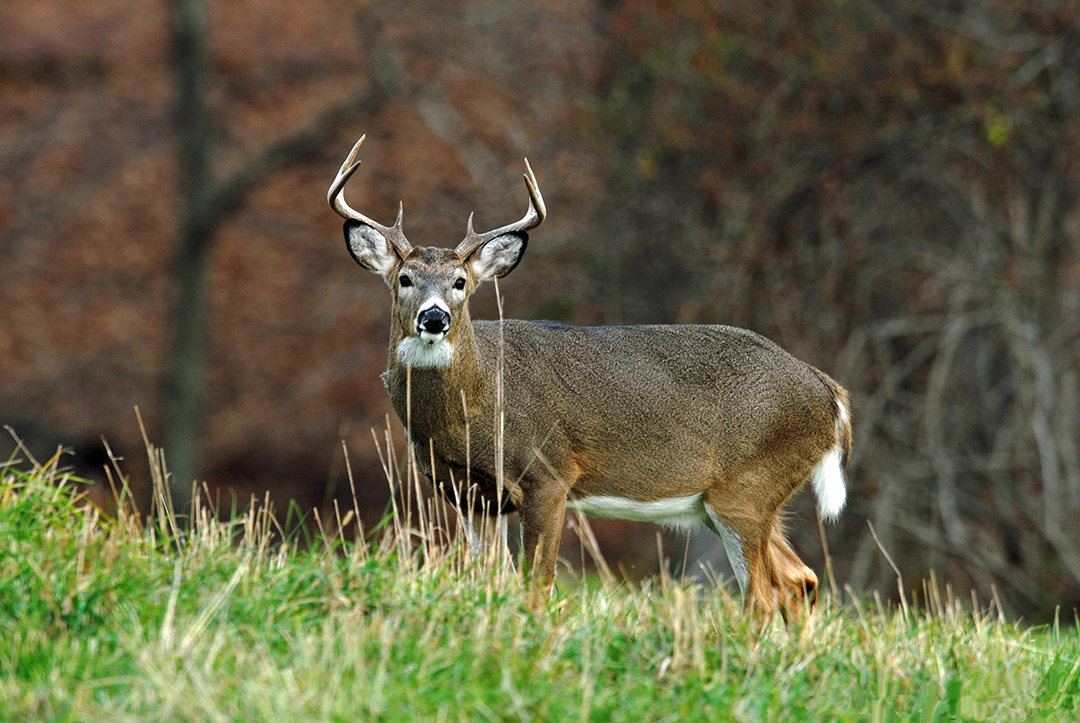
(369, 248)
(499, 256)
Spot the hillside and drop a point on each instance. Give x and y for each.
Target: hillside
(113, 622)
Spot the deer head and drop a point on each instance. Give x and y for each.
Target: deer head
(431, 286)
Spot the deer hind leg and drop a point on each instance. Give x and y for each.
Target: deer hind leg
(728, 532)
(771, 577)
(746, 543)
(797, 584)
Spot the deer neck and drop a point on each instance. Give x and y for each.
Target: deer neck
(432, 400)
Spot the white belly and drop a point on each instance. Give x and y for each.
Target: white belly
(680, 512)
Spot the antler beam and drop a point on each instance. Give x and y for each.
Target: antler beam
(533, 217)
(336, 198)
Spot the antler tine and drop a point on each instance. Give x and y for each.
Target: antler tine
(336, 198)
(533, 217)
(534, 194)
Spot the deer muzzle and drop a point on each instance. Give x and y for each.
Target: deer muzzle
(432, 323)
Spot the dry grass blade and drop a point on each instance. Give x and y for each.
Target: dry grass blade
(899, 578)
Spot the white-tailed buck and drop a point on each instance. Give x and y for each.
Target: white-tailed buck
(677, 425)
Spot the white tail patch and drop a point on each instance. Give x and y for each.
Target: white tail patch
(841, 418)
(828, 477)
(828, 481)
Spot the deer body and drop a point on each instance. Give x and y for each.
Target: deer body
(672, 424)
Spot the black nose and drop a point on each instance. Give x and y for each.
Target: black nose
(433, 320)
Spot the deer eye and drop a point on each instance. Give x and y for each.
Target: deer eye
(460, 283)
(405, 280)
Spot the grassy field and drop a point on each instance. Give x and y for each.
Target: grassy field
(109, 621)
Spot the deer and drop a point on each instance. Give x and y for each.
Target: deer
(680, 425)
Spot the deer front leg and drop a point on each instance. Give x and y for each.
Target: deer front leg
(480, 515)
(486, 533)
(543, 511)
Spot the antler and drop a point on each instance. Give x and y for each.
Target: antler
(533, 217)
(336, 198)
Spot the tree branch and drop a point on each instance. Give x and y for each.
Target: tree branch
(228, 194)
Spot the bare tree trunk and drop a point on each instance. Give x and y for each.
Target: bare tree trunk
(204, 204)
(184, 390)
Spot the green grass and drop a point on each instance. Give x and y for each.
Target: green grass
(109, 621)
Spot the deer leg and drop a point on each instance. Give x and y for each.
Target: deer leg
(732, 546)
(771, 576)
(796, 582)
(746, 544)
(479, 514)
(543, 512)
(745, 526)
(743, 513)
(487, 533)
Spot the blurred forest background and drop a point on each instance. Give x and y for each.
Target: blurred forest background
(887, 188)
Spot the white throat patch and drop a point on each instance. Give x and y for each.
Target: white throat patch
(427, 351)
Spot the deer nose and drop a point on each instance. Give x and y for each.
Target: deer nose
(433, 321)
